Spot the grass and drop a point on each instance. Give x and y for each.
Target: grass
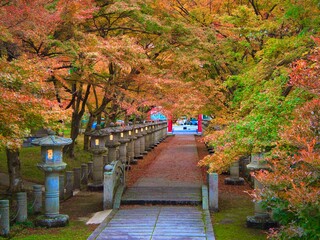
(75, 230)
(229, 222)
(30, 156)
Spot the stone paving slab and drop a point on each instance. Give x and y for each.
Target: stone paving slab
(175, 166)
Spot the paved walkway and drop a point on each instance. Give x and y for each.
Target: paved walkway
(172, 179)
(4, 181)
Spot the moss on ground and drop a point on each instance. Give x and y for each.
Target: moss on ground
(75, 230)
(230, 222)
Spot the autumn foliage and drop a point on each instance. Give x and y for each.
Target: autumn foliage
(292, 188)
(253, 66)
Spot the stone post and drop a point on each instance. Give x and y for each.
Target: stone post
(234, 178)
(37, 195)
(4, 218)
(130, 146)
(22, 207)
(137, 148)
(112, 145)
(98, 149)
(124, 141)
(143, 140)
(165, 133)
(76, 178)
(150, 140)
(52, 164)
(108, 189)
(261, 218)
(213, 191)
(148, 136)
(84, 174)
(90, 170)
(158, 126)
(153, 135)
(162, 127)
(69, 184)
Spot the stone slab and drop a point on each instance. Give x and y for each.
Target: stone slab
(98, 217)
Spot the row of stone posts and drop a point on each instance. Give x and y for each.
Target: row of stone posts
(125, 143)
(21, 212)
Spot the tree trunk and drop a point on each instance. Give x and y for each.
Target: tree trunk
(78, 107)
(88, 129)
(14, 167)
(75, 125)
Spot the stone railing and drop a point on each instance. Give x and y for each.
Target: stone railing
(132, 143)
(113, 184)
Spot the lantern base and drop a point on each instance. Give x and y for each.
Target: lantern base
(234, 181)
(60, 220)
(95, 187)
(138, 157)
(134, 162)
(261, 221)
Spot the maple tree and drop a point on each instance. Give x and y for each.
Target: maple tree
(262, 100)
(236, 61)
(26, 101)
(292, 187)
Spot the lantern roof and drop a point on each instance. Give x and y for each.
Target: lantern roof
(114, 129)
(98, 132)
(128, 128)
(52, 140)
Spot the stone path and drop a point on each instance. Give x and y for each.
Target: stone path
(172, 179)
(157, 223)
(4, 181)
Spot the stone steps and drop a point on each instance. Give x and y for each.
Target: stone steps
(163, 195)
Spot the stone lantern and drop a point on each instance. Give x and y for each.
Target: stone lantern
(148, 137)
(130, 145)
(234, 178)
(143, 139)
(113, 143)
(261, 218)
(130, 148)
(52, 164)
(153, 135)
(98, 149)
(157, 133)
(137, 142)
(124, 140)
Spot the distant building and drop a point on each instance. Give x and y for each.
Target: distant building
(155, 114)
